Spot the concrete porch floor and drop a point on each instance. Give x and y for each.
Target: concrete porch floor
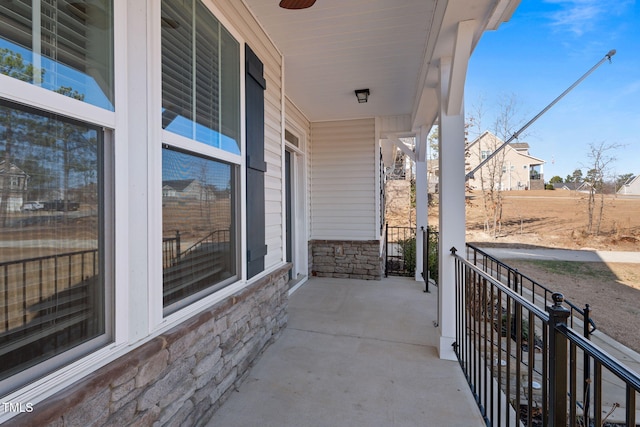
(354, 353)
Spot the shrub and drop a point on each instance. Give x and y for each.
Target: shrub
(524, 328)
(432, 266)
(408, 247)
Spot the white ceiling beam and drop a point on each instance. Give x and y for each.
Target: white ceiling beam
(459, 65)
(393, 138)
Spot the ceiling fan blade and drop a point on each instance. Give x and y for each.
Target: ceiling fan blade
(296, 4)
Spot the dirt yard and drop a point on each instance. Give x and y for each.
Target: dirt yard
(612, 291)
(558, 219)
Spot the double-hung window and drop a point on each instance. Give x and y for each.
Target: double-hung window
(55, 280)
(201, 149)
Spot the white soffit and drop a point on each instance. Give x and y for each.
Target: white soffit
(391, 47)
(338, 46)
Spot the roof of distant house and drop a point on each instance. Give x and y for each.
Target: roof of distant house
(573, 186)
(13, 169)
(178, 184)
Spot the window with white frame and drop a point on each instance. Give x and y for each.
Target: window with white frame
(55, 197)
(201, 153)
(63, 46)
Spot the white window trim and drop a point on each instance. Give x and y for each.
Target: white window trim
(193, 146)
(121, 299)
(157, 320)
(46, 100)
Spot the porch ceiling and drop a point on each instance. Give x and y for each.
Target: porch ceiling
(391, 47)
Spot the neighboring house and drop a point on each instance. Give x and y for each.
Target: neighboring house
(153, 326)
(13, 186)
(632, 186)
(581, 187)
(513, 168)
(187, 189)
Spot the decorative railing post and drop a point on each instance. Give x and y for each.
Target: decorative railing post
(178, 245)
(425, 257)
(586, 363)
(558, 359)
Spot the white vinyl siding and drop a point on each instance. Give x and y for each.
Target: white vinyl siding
(250, 30)
(343, 180)
(299, 121)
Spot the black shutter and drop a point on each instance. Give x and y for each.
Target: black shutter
(256, 166)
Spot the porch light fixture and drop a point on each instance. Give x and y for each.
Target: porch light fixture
(362, 95)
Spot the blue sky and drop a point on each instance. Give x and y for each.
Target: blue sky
(545, 47)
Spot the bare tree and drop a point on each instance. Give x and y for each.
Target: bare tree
(601, 160)
(490, 175)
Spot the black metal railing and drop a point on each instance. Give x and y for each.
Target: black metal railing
(215, 237)
(203, 263)
(430, 239)
(537, 293)
(522, 362)
(49, 299)
(170, 250)
(400, 258)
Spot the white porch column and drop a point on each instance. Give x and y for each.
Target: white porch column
(452, 208)
(421, 198)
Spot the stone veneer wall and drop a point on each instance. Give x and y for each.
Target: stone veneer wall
(348, 259)
(180, 377)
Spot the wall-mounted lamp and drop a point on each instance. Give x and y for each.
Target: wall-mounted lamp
(362, 95)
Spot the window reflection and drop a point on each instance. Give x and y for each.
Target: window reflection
(64, 46)
(51, 261)
(198, 225)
